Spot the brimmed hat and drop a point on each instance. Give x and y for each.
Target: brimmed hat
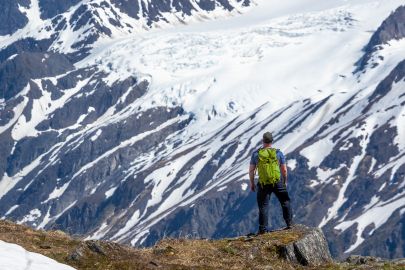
(267, 137)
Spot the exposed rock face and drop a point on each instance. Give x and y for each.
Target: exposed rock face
(310, 250)
(51, 8)
(356, 259)
(154, 11)
(11, 16)
(376, 262)
(393, 28)
(18, 71)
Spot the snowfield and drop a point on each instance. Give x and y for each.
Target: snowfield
(14, 257)
(276, 53)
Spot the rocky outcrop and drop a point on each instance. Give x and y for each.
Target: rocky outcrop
(15, 73)
(11, 16)
(310, 250)
(300, 248)
(50, 8)
(264, 251)
(154, 11)
(392, 28)
(375, 261)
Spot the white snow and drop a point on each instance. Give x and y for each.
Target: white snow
(127, 143)
(382, 187)
(65, 38)
(11, 210)
(31, 217)
(236, 62)
(313, 183)
(373, 162)
(11, 58)
(17, 111)
(35, 27)
(317, 152)
(378, 214)
(292, 164)
(7, 182)
(140, 237)
(99, 233)
(221, 188)
(95, 136)
(57, 192)
(341, 199)
(130, 223)
(94, 189)
(398, 122)
(41, 110)
(15, 257)
(110, 192)
(325, 176)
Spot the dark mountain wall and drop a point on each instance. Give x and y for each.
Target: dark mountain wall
(11, 16)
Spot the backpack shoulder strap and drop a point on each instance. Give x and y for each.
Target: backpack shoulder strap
(278, 151)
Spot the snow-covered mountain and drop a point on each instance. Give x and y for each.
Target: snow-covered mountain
(135, 120)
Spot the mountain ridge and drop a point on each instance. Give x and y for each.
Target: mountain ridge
(299, 248)
(149, 135)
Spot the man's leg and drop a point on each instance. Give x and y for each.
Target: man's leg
(263, 203)
(282, 196)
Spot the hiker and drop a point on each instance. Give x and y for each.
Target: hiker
(270, 164)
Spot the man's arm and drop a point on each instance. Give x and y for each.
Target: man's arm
(284, 173)
(252, 172)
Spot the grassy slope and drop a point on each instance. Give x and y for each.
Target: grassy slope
(260, 252)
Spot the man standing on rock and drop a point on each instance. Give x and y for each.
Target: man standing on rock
(269, 162)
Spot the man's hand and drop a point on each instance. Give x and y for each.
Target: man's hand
(252, 187)
(284, 173)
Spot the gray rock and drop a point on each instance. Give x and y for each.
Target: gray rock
(77, 254)
(398, 261)
(95, 247)
(310, 250)
(358, 260)
(393, 28)
(11, 17)
(153, 11)
(25, 45)
(16, 73)
(51, 8)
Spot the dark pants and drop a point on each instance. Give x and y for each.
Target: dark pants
(263, 198)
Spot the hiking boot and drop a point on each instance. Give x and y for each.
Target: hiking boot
(289, 226)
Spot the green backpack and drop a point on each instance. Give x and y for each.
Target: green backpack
(268, 167)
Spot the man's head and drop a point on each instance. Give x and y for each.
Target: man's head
(267, 138)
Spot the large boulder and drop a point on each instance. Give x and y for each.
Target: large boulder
(310, 250)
